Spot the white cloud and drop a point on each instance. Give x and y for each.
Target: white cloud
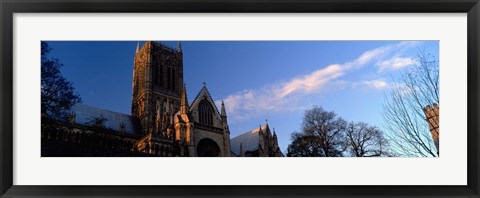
(375, 84)
(394, 63)
(284, 96)
(309, 83)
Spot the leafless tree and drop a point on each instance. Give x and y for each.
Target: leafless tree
(363, 140)
(404, 119)
(98, 122)
(304, 146)
(322, 134)
(57, 93)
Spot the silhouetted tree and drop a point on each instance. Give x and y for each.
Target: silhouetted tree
(57, 94)
(304, 145)
(363, 140)
(322, 135)
(98, 122)
(405, 123)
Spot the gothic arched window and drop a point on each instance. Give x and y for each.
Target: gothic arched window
(173, 79)
(205, 113)
(157, 116)
(169, 78)
(135, 86)
(156, 76)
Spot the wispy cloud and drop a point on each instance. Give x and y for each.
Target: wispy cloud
(378, 84)
(283, 96)
(310, 82)
(394, 63)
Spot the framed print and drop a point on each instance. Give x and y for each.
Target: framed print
(310, 98)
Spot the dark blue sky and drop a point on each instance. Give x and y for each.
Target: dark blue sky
(274, 80)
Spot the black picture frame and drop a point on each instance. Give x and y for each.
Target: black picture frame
(9, 7)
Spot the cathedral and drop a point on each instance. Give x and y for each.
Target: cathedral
(159, 101)
(162, 122)
(258, 142)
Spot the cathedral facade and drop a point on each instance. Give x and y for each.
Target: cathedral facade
(162, 122)
(159, 101)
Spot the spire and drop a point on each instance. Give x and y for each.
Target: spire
(184, 100)
(138, 47)
(179, 46)
(223, 111)
(275, 139)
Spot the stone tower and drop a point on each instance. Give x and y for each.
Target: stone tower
(432, 116)
(157, 85)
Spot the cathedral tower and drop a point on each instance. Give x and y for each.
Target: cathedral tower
(157, 86)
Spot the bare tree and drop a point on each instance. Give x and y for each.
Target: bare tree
(363, 140)
(98, 122)
(304, 146)
(57, 93)
(323, 132)
(404, 119)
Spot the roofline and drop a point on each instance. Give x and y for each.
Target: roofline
(251, 131)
